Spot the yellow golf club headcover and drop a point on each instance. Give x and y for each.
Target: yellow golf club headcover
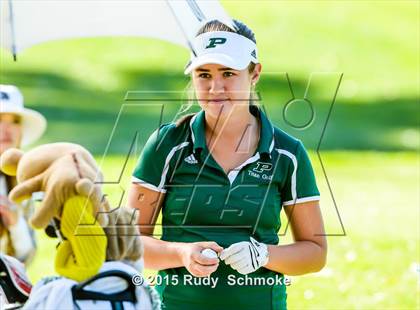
(83, 253)
(70, 179)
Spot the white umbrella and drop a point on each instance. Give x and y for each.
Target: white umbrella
(24, 23)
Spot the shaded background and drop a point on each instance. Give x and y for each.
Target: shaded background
(369, 148)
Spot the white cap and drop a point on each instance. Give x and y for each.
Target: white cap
(223, 48)
(33, 123)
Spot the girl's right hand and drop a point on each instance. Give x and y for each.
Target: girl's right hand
(195, 262)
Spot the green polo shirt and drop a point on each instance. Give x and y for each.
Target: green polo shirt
(203, 203)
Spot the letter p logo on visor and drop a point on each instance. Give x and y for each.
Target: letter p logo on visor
(215, 41)
(224, 48)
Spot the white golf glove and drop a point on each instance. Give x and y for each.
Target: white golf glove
(245, 257)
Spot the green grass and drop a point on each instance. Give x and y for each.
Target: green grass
(373, 266)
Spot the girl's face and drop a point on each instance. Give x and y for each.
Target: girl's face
(220, 90)
(10, 131)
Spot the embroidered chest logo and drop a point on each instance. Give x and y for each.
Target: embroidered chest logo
(191, 160)
(262, 167)
(259, 171)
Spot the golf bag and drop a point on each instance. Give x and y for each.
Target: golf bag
(15, 286)
(112, 288)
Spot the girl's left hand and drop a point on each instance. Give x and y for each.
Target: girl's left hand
(246, 257)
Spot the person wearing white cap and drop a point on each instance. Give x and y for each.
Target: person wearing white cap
(220, 177)
(19, 127)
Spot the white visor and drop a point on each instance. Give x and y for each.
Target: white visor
(223, 48)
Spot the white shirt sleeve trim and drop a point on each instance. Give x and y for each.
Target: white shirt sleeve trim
(160, 188)
(147, 185)
(295, 166)
(168, 159)
(301, 200)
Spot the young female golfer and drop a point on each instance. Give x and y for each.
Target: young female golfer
(220, 178)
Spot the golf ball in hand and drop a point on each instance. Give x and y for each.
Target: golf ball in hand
(209, 253)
